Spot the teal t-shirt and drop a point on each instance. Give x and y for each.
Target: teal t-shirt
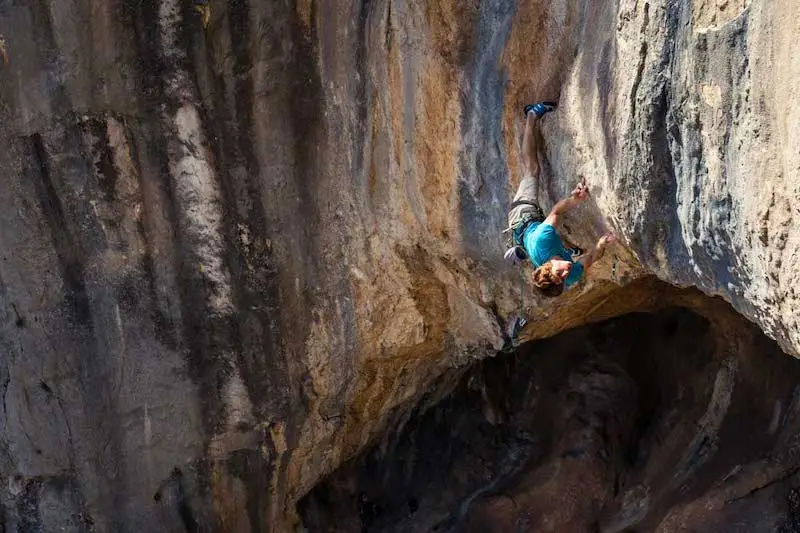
(542, 243)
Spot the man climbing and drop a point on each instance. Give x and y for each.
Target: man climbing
(532, 235)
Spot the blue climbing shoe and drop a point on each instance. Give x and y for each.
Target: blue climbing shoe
(540, 108)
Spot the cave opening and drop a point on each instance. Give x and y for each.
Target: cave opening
(641, 422)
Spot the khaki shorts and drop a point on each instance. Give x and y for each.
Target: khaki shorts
(527, 192)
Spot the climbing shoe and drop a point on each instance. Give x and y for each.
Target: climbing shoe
(540, 108)
(515, 255)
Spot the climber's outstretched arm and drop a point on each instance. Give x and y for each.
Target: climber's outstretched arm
(578, 195)
(597, 253)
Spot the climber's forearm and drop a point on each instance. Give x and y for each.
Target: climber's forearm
(592, 257)
(566, 204)
(561, 207)
(597, 253)
(578, 195)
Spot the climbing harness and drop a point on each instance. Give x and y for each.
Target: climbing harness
(513, 234)
(515, 250)
(516, 255)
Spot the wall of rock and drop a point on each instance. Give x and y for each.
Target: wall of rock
(233, 254)
(670, 420)
(680, 113)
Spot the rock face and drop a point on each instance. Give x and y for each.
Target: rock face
(683, 120)
(668, 421)
(233, 254)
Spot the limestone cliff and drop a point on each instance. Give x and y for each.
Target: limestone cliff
(663, 422)
(234, 253)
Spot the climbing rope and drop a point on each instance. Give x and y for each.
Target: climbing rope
(513, 330)
(519, 320)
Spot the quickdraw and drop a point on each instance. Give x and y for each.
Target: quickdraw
(519, 321)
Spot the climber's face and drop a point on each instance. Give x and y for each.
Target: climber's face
(561, 268)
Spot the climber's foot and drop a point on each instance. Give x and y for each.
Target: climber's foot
(540, 108)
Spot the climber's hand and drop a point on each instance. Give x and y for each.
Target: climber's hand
(578, 195)
(606, 239)
(599, 250)
(581, 191)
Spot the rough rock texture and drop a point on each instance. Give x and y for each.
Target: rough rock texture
(233, 255)
(683, 121)
(668, 422)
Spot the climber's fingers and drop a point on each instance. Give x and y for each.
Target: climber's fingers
(581, 190)
(607, 239)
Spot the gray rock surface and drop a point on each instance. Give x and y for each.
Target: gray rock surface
(681, 117)
(232, 255)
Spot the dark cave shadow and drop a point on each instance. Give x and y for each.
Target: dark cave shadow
(509, 415)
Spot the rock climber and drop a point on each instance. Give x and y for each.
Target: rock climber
(532, 235)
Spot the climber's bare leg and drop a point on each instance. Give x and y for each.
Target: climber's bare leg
(530, 150)
(528, 190)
